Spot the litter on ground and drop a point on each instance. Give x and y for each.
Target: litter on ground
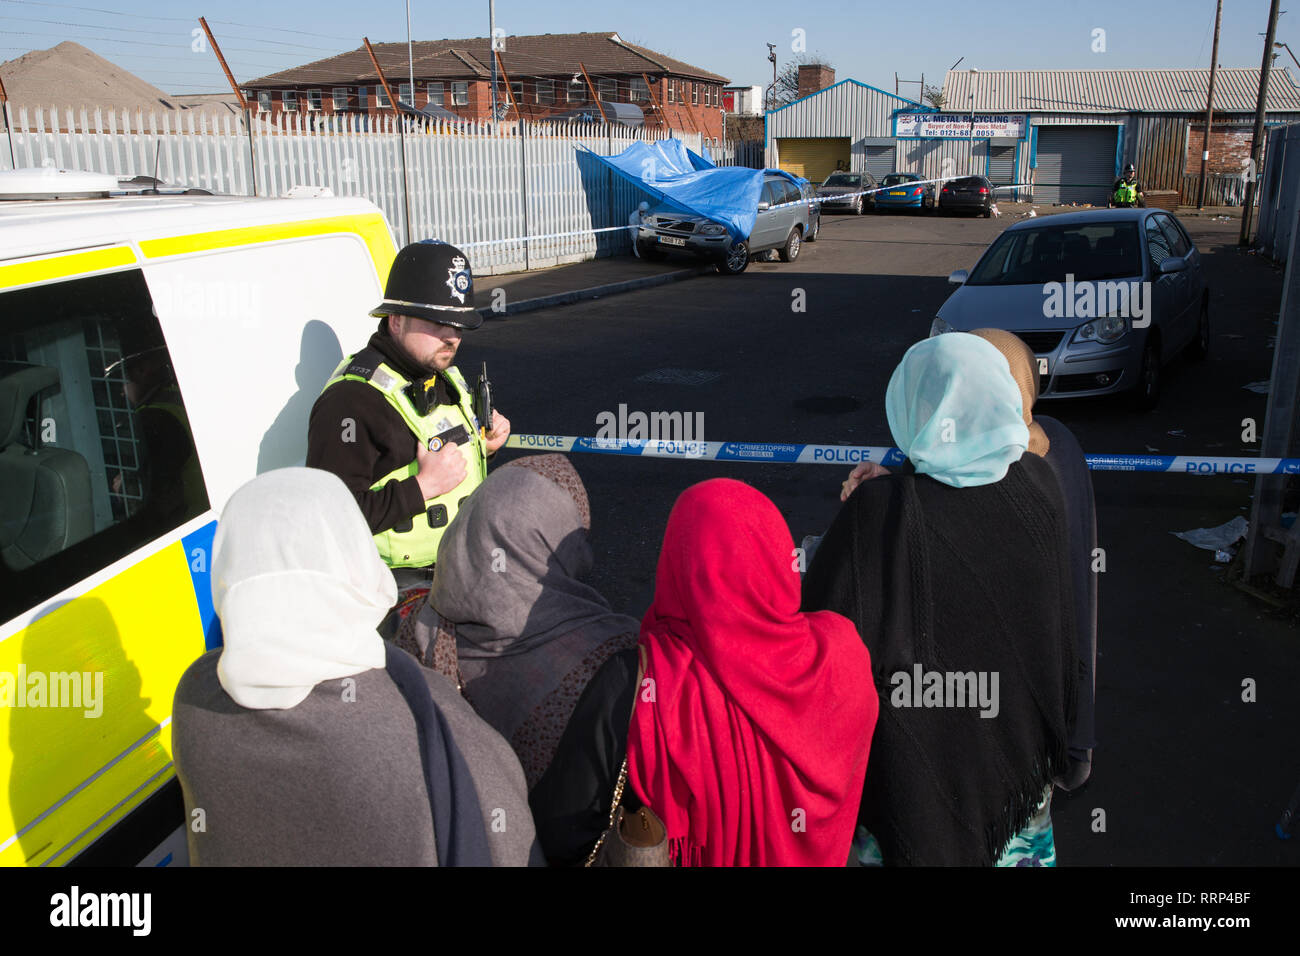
(1216, 539)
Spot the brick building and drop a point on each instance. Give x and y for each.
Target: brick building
(538, 77)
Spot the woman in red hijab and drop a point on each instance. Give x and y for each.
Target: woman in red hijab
(752, 722)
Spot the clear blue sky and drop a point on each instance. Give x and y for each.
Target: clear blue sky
(868, 41)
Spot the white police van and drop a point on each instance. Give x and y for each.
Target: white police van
(156, 352)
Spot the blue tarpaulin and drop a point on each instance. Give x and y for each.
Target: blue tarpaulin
(667, 169)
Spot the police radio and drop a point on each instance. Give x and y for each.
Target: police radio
(483, 403)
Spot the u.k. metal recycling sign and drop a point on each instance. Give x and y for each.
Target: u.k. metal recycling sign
(958, 125)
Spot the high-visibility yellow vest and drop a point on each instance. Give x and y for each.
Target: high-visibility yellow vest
(1126, 192)
(416, 546)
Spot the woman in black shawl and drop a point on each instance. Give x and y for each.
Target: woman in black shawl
(957, 576)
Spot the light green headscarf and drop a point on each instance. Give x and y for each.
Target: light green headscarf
(955, 410)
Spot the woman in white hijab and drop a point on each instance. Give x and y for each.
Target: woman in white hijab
(306, 739)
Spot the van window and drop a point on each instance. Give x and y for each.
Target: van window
(96, 454)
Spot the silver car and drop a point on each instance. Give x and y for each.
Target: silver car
(1104, 298)
(843, 192)
(781, 223)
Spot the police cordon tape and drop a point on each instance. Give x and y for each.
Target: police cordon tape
(836, 198)
(783, 453)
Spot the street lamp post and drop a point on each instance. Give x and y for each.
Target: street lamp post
(492, 45)
(1289, 53)
(771, 94)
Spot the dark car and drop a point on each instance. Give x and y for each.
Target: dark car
(968, 194)
(1105, 298)
(842, 192)
(904, 191)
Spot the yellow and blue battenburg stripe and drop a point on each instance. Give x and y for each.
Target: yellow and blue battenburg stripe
(71, 776)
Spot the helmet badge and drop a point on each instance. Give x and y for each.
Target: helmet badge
(458, 278)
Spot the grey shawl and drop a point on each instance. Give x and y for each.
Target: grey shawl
(529, 632)
(335, 780)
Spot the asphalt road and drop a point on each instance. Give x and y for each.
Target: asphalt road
(1185, 773)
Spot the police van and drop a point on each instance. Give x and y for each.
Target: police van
(156, 352)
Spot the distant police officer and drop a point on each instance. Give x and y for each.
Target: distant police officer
(397, 421)
(1127, 191)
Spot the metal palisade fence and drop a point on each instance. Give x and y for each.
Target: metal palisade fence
(1277, 192)
(481, 186)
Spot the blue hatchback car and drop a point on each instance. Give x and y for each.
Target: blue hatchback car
(904, 191)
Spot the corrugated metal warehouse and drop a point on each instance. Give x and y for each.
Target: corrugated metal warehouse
(1053, 136)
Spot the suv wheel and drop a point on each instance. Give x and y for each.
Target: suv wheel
(1199, 348)
(859, 205)
(735, 261)
(816, 228)
(1146, 393)
(790, 251)
(651, 251)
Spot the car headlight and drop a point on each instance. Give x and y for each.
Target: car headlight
(939, 326)
(712, 229)
(1109, 329)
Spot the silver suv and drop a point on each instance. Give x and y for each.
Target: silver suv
(782, 223)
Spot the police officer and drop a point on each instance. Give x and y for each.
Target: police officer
(397, 421)
(1127, 191)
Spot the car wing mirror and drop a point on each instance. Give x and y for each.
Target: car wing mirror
(1173, 264)
(959, 277)
(764, 207)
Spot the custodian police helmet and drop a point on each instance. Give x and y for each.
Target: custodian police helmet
(431, 280)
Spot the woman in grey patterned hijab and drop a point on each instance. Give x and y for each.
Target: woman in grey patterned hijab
(529, 632)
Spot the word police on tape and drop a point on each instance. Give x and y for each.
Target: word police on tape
(777, 452)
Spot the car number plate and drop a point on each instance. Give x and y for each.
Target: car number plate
(898, 192)
(1042, 366)
(672, 241)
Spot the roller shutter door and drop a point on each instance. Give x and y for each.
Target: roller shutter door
(880, 161)
(1002, 165)
(1075, 164)
(813, 159)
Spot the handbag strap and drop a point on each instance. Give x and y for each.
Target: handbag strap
(613, 812)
